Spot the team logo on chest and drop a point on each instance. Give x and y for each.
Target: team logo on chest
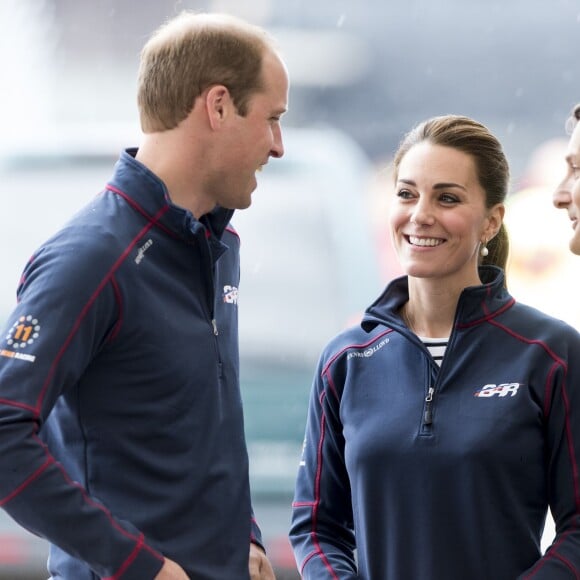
(501, 390)
(230, 294)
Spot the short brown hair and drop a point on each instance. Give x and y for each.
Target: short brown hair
(476, 140)
(573, 119)
(192, 52)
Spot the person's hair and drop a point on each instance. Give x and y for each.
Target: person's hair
(474, 139)
(573, 119)
(192, 52)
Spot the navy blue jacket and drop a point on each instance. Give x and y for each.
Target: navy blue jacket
(452, 486)
(121, 429)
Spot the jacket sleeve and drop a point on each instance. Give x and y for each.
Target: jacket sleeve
(322, 528)
(62, 319)
(256, 533)
(562, 415)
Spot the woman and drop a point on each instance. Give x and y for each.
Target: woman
(567, 195)
(441, 430)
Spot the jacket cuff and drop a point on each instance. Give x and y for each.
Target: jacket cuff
(143, 563)
(256, 535)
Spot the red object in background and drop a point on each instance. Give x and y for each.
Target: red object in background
(280, 553)
(12, 550)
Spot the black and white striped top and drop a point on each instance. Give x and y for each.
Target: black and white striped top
(436, 347)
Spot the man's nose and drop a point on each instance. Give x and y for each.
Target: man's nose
(561, 197)
(277, 150)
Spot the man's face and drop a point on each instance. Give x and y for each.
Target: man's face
(255, 137)
(567, 194)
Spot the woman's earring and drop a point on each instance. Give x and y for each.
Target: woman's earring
(483, 250)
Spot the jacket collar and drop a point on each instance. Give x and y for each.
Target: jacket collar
(476, 303)
(148, 195)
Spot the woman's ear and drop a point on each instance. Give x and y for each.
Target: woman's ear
(494, 220)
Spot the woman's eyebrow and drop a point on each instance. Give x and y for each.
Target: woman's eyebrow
(443, 185)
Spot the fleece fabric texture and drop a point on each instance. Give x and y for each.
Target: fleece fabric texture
(443, 473)
(121, 428)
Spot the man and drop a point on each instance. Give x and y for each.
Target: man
(121, 428)
(567, 194)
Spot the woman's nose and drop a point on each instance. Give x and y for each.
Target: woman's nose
(421, 215)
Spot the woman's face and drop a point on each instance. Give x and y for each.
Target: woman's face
(438, 218)
(567, 194)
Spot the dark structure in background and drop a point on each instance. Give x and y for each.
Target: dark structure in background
(513, 65)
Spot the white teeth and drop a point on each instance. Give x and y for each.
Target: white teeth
(425, 241)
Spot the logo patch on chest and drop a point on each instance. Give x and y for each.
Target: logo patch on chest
(230, 294)
(501, 390)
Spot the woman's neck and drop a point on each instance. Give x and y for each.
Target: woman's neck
(430, 311)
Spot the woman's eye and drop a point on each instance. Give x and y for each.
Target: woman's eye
(448, 198)
(404, 194)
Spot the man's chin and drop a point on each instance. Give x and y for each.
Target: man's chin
(239, 204)
(245, 205)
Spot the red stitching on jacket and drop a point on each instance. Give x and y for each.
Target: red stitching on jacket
(137, 207)
(27, 481)
(119, 322)
(489, 316)
(313, 533)
(568, 428)
(24, 406)
(90, 302)
(131, 558)
(365, 344)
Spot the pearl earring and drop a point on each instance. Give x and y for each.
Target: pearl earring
(484, 251)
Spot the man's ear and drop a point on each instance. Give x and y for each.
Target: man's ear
(218, 103)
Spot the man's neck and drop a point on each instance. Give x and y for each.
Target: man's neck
(161, 154)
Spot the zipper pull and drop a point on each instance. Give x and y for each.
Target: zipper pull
(214, 324)
(428, 417)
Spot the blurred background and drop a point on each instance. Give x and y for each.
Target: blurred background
(315, 249)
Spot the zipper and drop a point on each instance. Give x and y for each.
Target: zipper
(209, 278)
(427, 425)
(428, 413)
(209, 283)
